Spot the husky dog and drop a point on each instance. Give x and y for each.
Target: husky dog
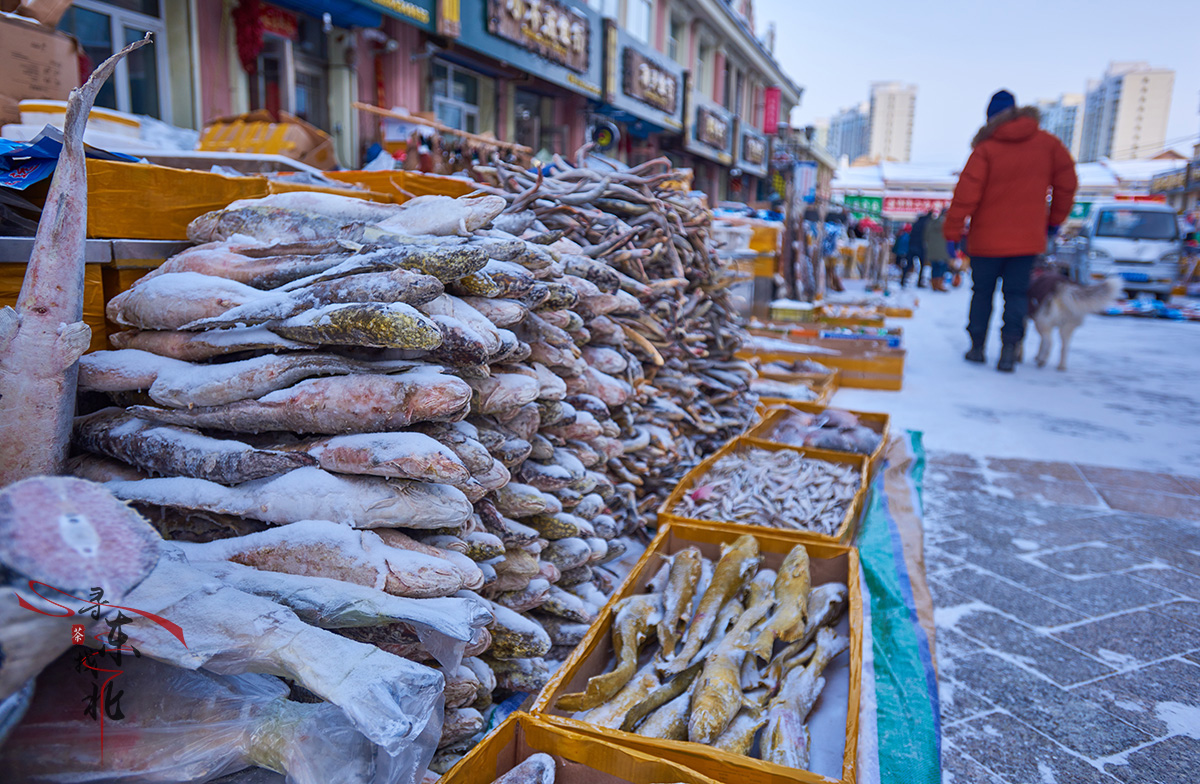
(1063, 305)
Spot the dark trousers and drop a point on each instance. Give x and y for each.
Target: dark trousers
(1014, 271)
(940, 268)
(906, 267)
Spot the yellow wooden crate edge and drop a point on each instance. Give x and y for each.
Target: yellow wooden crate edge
(479, 766)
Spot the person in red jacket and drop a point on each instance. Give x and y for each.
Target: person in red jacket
(1003, 188)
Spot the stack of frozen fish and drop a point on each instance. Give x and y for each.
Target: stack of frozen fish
(382, 399)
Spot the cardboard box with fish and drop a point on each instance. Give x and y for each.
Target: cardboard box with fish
(749, 484)
(736, 655)
(838, 430)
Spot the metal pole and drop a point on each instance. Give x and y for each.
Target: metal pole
(788, 251)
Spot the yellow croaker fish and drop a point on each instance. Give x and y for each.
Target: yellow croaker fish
(719, 688)
(636, 617)
(785, 741)
(670, 722)
(612, 713)
(792, 589)
(825, 603)
(736, 567)
(677, 598)
(738, 738)
(661, 696)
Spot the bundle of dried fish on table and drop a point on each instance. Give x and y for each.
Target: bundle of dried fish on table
(654, 293)
(385, 399)
(774, 488)
(736, 648)
(832, 428)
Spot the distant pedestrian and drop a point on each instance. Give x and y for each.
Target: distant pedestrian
(1002, 189)
(900, 251)
(916, 247)
(936, 252)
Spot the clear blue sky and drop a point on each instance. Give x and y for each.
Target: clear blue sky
(958, 53)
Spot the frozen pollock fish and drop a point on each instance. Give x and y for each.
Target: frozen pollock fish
(311, 493)
(335, 405)
(167, 450)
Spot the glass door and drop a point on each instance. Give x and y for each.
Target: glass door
(139, 84)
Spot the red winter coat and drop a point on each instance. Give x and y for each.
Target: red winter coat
(1003, 188)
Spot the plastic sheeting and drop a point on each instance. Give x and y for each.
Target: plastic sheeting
(900, 740)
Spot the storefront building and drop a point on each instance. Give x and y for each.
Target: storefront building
(748, 179)
(1179, 188)
(536, 73)
(522, 71)
(643, 96)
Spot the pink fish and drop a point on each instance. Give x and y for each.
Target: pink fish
(41, 341)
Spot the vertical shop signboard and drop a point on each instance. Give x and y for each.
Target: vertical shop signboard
(772, 100)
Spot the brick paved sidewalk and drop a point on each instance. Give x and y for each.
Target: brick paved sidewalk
(1068, 621)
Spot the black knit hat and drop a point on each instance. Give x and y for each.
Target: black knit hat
(1000, 101)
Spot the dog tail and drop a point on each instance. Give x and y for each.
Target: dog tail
(1094, 297)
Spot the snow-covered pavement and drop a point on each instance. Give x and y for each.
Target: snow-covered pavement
(1062, 548)
(1130, 397)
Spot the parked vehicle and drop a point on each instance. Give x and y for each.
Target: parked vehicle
(1138, 241)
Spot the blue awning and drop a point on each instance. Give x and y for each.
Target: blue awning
(343, 13)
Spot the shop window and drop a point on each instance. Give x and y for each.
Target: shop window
(456, 97)
(293, 70)
(637, 19)
(139, 84)
(528, 122)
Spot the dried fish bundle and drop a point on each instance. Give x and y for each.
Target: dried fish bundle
(777, 489)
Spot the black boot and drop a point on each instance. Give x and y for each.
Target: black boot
(976, 352)
(1008, 358)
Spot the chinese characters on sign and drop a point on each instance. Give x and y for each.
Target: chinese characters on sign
(754, 149)
(647, 82)
(711, 128)
(916, 204)
(547, 27)
(771, 100)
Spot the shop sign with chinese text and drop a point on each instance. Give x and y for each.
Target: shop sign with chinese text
(549, 28)
(712, 128)
(914, 204)
(648, 82)
(772, 98)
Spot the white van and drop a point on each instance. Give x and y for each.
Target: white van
(1137, 241)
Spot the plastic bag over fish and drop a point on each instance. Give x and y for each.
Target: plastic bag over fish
(182, 726)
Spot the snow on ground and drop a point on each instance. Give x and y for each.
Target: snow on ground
(1130, 397)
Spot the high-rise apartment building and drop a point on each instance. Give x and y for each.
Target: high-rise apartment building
(1125, 112)
(892, 107)
(849, 132)
(1063, 117)
(879, 129)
